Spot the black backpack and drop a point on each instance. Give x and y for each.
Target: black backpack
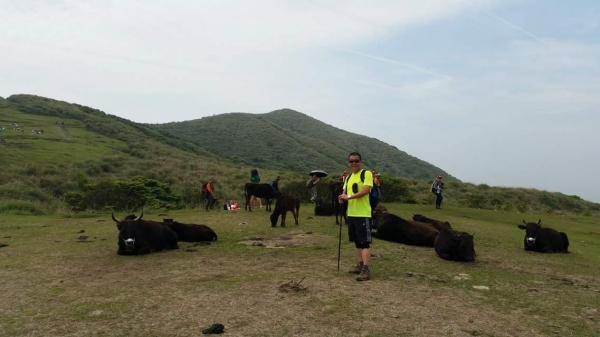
(373, 195)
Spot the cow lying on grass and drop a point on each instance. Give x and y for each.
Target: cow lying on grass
(455, 246)
(137, 236)
(282, 206)
(394, 228)
(439, 225)
(191, 233)
(323, 208)
(544, 240)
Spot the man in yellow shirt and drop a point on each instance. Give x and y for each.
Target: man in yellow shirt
(356, 192)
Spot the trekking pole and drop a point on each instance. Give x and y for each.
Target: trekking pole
(339, 245)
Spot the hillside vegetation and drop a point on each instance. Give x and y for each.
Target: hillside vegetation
(289, 140)
(87, 160)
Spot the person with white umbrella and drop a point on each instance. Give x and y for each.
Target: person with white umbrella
(311, 184)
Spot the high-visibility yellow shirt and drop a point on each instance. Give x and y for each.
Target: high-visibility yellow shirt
(359, 207)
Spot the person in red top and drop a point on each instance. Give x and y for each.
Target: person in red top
(211, 199)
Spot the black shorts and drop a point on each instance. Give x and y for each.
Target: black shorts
(359, 229)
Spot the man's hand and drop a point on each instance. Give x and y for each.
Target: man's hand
(342, 198)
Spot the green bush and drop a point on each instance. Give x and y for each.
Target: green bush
(124, 195)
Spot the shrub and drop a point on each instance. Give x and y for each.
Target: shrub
(124, 195)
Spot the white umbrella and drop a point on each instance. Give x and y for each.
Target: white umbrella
(319, 173)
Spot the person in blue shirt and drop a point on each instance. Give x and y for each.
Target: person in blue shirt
(437, 188)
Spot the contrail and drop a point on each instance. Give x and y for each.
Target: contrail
(512, 26)
(537, 38)
(402, 64)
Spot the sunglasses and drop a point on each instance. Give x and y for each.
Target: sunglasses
(354, 161)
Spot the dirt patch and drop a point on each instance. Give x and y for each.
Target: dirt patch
(287, 240)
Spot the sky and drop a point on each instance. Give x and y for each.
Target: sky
(505, 93)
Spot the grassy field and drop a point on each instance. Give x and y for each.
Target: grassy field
(58, 144)
(54, 284)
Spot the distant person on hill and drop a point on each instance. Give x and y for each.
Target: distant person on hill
(312, 187)
(211, 199)
(255, 178)
(437, 188)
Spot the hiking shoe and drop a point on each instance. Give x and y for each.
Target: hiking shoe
(365, 275)
(356, 270)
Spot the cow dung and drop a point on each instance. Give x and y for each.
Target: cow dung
(3, 245)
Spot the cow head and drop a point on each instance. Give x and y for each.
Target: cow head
(130, 217)
(465, 250)
(531, 231)
(418, 217)
(274, 218)
(127, 230)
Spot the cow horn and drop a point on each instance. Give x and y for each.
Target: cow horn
(139, 217)
(525, 222)
(539, 221)
(115, 219)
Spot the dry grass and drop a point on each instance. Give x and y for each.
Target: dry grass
(56, 285)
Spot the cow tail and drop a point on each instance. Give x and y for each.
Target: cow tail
(565, 242)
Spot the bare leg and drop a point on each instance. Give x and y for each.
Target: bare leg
(359, 254)
(366, 256)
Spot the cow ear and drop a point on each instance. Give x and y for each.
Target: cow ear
(118, 226)
(521, 226)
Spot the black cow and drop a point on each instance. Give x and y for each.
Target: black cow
(438, 224)
(137, 236)
(323, 208)
(191, 233)
(544, 240)
(339, 209)
(394, 228)
(265, 191)
(455, 246)
(284, 204)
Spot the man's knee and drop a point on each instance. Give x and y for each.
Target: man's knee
(362, 244)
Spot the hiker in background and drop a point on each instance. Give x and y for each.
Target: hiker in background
(275, 183)
(312, 187)
(437, 188)
(211, 199)
(377, 183)
(255, 179)
(343, 177)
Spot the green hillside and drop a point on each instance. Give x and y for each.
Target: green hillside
(87, 160)
(289, 140)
